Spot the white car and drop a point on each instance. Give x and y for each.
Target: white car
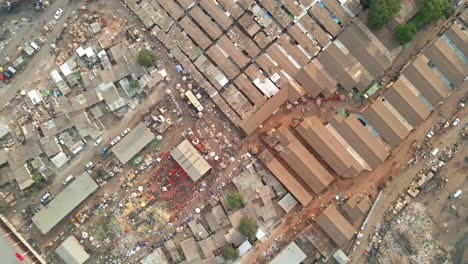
(98, 141)
(68, 179)
(125, 132)
(430, 133)
(58, 14)
(455, 122)
(115, 140)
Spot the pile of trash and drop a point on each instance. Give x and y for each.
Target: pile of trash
(409, 239)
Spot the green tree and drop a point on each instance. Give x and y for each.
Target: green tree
(248, 227)
(229, 253)
(146, 58)
(37, 178)
(4, 206)
(405, 33)
(235, 200)
(134, 84)
(381, 12)
(434, 10)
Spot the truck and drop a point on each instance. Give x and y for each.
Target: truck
(455, 194)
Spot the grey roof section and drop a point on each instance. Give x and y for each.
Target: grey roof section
(157, 257)
(189, 247)
(290, 255)
(188, 157)
(426, 80)
(133, 143)
(65, 202)
(71, 251)
(443, 53)
(366, 49)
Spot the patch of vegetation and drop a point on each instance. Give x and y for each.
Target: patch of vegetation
(381, 12)
(134, 84)
(248, 227)
(229, 253)
(235, 200)
(4, 206)
(432, 11)
(405, 33)
(146, 58)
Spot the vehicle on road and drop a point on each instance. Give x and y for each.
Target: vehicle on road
(104, 150)
(125, 132)
(434, 152)
(34, 45)
(68, 179)
(58, 14)
(115, 140)
(89, 166)
(455, 122)
(98, 141)
(46, 198)
(11, 70)
(455, 194)
(430, 134)
(19, 256)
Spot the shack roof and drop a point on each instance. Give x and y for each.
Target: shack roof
(403, 97)
(292, 254)
(285, 177)
(426, 80)
(302, 161)
(133, 143)
(366, 48)
(328, 147)
(335, 225)
(287, 93)
(361, 139)
(387, 121)
(157, 257)
(71, 251)
(459, 37)
(189, 247)
(448, 59)
(65, 202)
(23, 177)
(356, 207)
(188, 157)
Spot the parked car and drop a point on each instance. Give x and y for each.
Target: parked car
(68, 179)
(104, 150)
(58, 14)
(19, 256)
(455, 122)
(434, 152)
(11, 70)
(34, 45)
(98, 141)
(455, 194)
(88, 166)
(430, 134)
(46, 198)
(125, 132)
(115, 140)
(7, 75)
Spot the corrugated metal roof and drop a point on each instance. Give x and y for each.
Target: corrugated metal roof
(65, 202)
(188, 157)
(133, 143)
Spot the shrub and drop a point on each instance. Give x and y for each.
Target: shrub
(405, 33)
(229, 253)
(235, 200)
(146, 58)
(248, 227)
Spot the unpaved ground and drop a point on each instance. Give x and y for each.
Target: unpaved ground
(402, 180)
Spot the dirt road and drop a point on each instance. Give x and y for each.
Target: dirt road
(367, 182)
(41, 62)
